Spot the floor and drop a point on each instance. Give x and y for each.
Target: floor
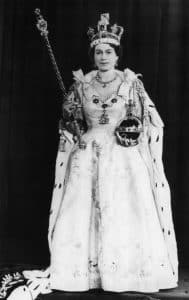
(181, 292)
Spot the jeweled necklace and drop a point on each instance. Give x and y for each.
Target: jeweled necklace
(104, 83)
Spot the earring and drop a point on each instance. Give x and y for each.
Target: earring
(116, 64)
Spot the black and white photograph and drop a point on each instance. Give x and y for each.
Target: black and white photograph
(94, 149)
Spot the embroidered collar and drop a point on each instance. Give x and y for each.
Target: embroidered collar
(127, 76)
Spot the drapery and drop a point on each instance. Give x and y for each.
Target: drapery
(155, 43)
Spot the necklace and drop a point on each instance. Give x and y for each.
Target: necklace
(104, 83)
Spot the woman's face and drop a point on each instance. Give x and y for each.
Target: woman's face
(105, 57)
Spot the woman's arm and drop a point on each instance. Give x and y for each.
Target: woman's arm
(72, 111)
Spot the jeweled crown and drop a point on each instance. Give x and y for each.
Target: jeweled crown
(105, 33)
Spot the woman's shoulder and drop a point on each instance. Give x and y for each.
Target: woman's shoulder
(79, 76)
(127, 75)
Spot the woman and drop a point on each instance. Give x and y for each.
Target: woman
(110, 223)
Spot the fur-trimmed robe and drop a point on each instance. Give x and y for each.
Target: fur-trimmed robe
(150, 149)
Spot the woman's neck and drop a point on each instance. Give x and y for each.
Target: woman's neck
(106, 75)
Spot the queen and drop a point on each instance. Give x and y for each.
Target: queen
(111, 224)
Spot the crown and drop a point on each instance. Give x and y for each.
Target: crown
(105, 33)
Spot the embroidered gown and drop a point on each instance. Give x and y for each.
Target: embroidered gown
(111, 224)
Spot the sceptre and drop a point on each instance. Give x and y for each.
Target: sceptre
(42, 27)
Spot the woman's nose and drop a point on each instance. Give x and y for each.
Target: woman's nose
(103, 55)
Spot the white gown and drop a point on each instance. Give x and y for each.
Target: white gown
(106, 228)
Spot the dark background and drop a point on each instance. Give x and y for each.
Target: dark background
(156, 44)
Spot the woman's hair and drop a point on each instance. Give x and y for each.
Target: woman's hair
(118, 51)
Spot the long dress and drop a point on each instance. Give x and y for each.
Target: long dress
(111, 224)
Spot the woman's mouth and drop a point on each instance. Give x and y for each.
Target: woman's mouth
(103, 62)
